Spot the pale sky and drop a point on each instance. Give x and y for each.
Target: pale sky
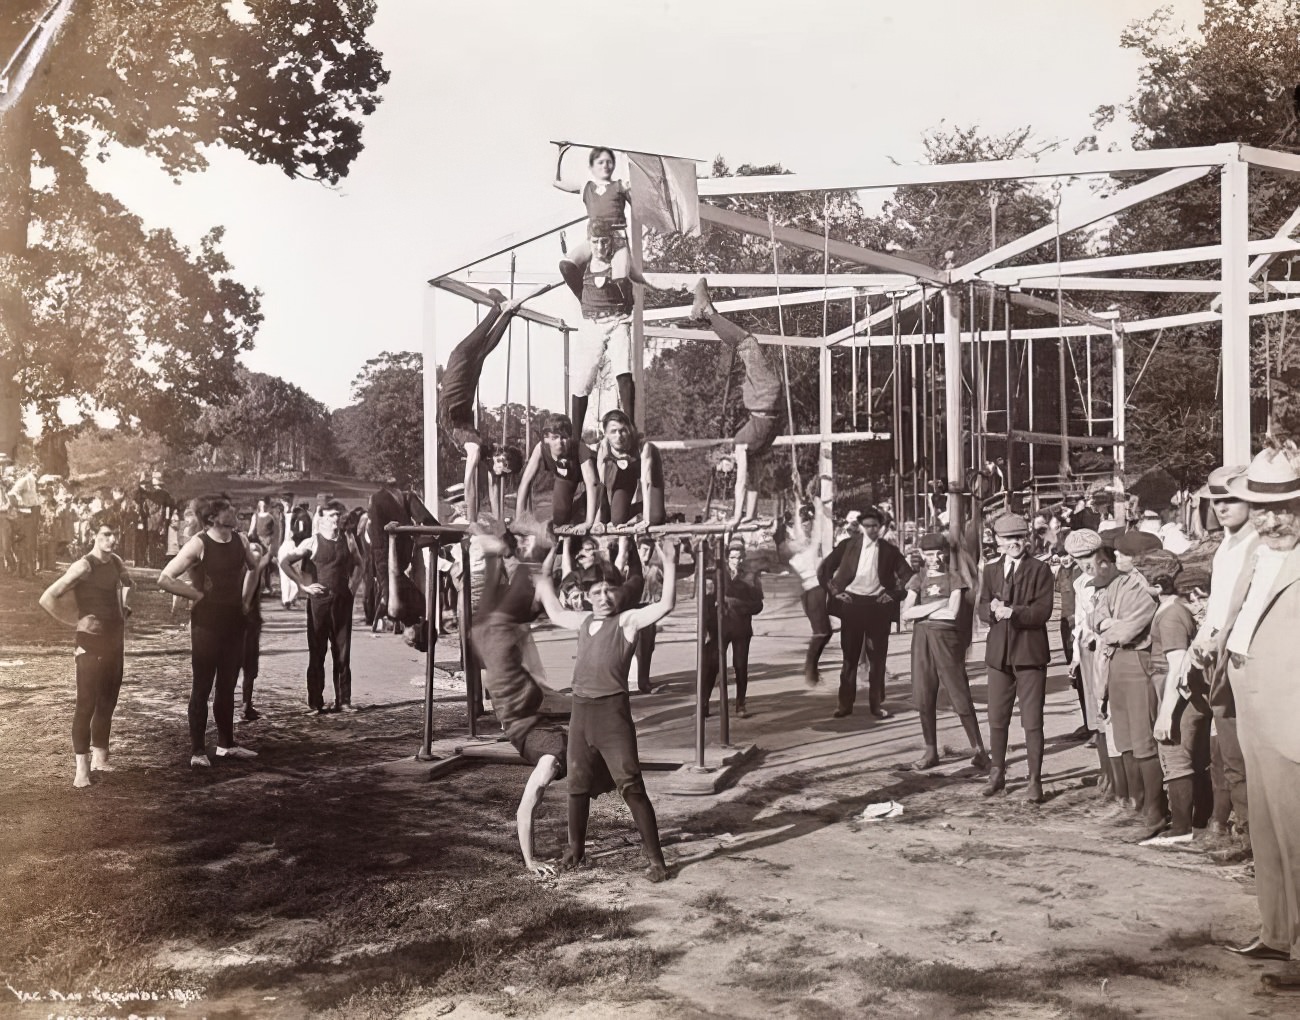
(458, 153)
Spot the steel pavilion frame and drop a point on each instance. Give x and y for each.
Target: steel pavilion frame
(1240, 260)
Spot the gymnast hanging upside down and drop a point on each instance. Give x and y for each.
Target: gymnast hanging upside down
(761, 394)
(456, 399)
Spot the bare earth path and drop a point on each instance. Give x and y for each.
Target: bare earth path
(315, 881)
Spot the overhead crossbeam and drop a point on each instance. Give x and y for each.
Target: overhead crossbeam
(481, 297)
(1084, 216)
(1053, 438)
(1130, 284)
(783, 299)
(1136, 260)
(796, 440)
(682, 333)
(992, 170)
(842, 250)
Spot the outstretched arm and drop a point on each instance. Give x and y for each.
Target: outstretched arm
(559, 181)
(524, 495)
(542, 777)
(638, 619)
(557, 614)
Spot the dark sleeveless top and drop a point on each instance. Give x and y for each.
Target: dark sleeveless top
(613, 298)
(603, 659)
(332, 565)
(265, 529)
(577, 454)
(606, 208)
(616, 477)
(220, 575)
(99, 608)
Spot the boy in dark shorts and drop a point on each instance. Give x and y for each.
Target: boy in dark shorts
(460, 383)
(572, 465)
(624, 463)
(761, 394)
(602, 737)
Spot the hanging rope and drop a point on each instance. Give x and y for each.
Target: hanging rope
(1128, 400)
(785, 357)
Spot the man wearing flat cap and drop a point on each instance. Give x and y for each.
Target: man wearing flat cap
(1233, 557)
(865, 578)
(1016, 603)
(1259, 642)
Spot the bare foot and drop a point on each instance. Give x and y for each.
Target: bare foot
(928, 761)
(657, 872)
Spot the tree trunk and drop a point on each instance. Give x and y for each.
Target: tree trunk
(16, 110)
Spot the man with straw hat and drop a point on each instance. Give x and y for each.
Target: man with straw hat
(1258, 642)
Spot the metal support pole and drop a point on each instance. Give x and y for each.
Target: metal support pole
(473, 700)
(953, 399)
(897, 373)
(720, 590)
(528, 387)
(1087, 355)
(1235, 219)
(510, 344)
(425, 753)
(1029, 348)
(1119, 397)
(916, 451)
(638, 319)
(701, 565)
(429, 390)
(1006, 366)
(825, 451)
(853, 357)
(577, 425)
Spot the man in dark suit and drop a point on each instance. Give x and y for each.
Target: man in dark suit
(1016, 603)
(865, 579)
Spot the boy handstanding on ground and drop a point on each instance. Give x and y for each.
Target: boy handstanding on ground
(761, 394)
(601, 732)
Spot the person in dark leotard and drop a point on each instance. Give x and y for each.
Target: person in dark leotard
(99, 583)
(572, 465)
(624, 462)
(602, 737)
(761, 394)
(334, 569)
(223, 565)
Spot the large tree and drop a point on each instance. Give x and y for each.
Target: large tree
(1233, 81)
(92, 306)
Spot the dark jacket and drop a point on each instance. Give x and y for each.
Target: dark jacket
(837, 571)
(1021, 640)
(743, 601)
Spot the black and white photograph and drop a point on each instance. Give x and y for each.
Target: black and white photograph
(679, 511)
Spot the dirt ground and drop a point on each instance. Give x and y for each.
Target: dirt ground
(329, 877)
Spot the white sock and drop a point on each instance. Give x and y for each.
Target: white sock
(83, 771)
(99, 759)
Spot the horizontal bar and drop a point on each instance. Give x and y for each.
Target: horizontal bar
(616, 148)
(803, 297)
(1124, 283)
(480, 297)
(457, 531)
(989, 170)
(1271, 159)
(718, 281)
(1137, 260)
(797, 440)
(682, 333)
(620, 530)
(856, 254)
(1022, 436)
(1099, 209)
(1271, 307)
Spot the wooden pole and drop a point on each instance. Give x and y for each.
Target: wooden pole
(429, 391)
(720, 590)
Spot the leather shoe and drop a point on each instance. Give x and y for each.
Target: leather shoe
(997, 782)
(1034, 792)
(1257, 950)
(840, 713)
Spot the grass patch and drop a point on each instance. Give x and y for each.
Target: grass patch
(778, 973)
(1180, 940)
